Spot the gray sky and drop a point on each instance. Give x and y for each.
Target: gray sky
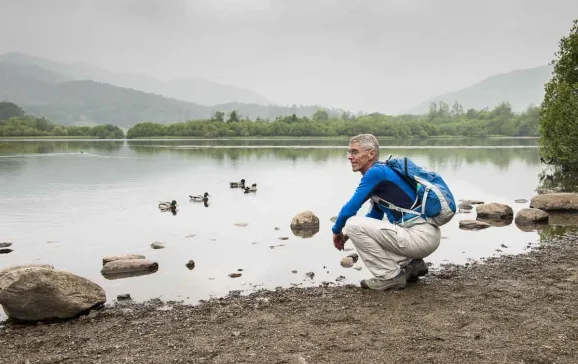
(370, 55)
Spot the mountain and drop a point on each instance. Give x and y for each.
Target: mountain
(520, 88)
(45, 93)
(187, 89)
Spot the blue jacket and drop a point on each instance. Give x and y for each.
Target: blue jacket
(384, 182)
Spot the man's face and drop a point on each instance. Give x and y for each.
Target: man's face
(360, 158)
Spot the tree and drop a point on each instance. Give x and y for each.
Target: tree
(559, 113)
(9, 110)
(320, 115)
(233, 117)
(218, 116)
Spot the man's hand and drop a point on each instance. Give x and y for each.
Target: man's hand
(339, 241)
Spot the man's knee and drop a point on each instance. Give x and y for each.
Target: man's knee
(353, 225)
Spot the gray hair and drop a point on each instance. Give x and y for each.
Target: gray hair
(367, 141)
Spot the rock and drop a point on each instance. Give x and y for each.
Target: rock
(5, 244)
(190, 264)
(496, 222)
(235, 275)
(521, 200)
(310, 275)
(347, 262)
(358, 267)
(121, 257)
(190, 236)
(472, 202)
(339, 279)
(473, 225)
(38, 293)
(354, 256)
(465, 206)
(305, 220)
(123, 297)
(555, 201)
(494, 210)
(6, 251)
(283, 238)
(241, 224)
(158, 245)
(333, 219)
(277, 228)
(129, 266)
(16, 267)
(294, 271)
(530, 216)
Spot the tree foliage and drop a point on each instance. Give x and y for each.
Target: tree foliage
(441, 121)
(28, 125)
(558, 123)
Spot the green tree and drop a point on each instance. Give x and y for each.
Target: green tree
(234, 117)
(559, 115)
(9, 110)
(320, 115)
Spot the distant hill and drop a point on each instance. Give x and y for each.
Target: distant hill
(520, 88)
(45, 93)
(194, 90)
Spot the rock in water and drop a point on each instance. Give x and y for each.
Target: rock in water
(35, 293)
(305, 220)
(235, 275)
(129, 266)
(531, 216)
(555, 201)
(347, 262)
(494, 211)
(158, 245)
(190, 264)
(5, 244)
(473, 225)
(121, 257)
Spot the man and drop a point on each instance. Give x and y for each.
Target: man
(392, 249)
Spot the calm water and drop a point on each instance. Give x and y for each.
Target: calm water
(70, 203)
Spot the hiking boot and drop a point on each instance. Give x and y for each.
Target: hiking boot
(415, 268)
(380, 284)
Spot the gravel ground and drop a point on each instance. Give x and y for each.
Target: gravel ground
(512, 309)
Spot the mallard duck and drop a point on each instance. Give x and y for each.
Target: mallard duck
(168, 205)
(253, 188)
(199, 198)
(238, 184)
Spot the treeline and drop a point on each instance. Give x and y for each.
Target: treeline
(15, 123)
(442, 120)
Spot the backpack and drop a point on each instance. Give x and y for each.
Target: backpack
(435, 202)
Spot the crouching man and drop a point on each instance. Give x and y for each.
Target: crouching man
(393, 248)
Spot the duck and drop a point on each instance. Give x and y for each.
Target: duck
(253, 188)
(200, 198)
(240, 184)
(164, 206)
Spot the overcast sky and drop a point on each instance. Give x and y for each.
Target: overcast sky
(370, 55)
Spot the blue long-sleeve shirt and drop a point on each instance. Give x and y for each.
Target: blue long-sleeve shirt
(384, 182)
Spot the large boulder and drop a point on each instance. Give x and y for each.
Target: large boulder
(531, 216)
(16, 267)
(555, 201)
(494, 210)
(305, 220)
(41, 293)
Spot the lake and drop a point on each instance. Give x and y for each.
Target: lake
(69, 203)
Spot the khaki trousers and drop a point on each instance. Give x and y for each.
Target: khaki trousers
(385, 247)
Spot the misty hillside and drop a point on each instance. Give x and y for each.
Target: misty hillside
(44, 93)
(194, 90)
(520, 88)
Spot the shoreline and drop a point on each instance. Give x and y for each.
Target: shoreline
(514, 309)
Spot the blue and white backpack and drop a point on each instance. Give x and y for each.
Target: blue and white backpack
(434, 203)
